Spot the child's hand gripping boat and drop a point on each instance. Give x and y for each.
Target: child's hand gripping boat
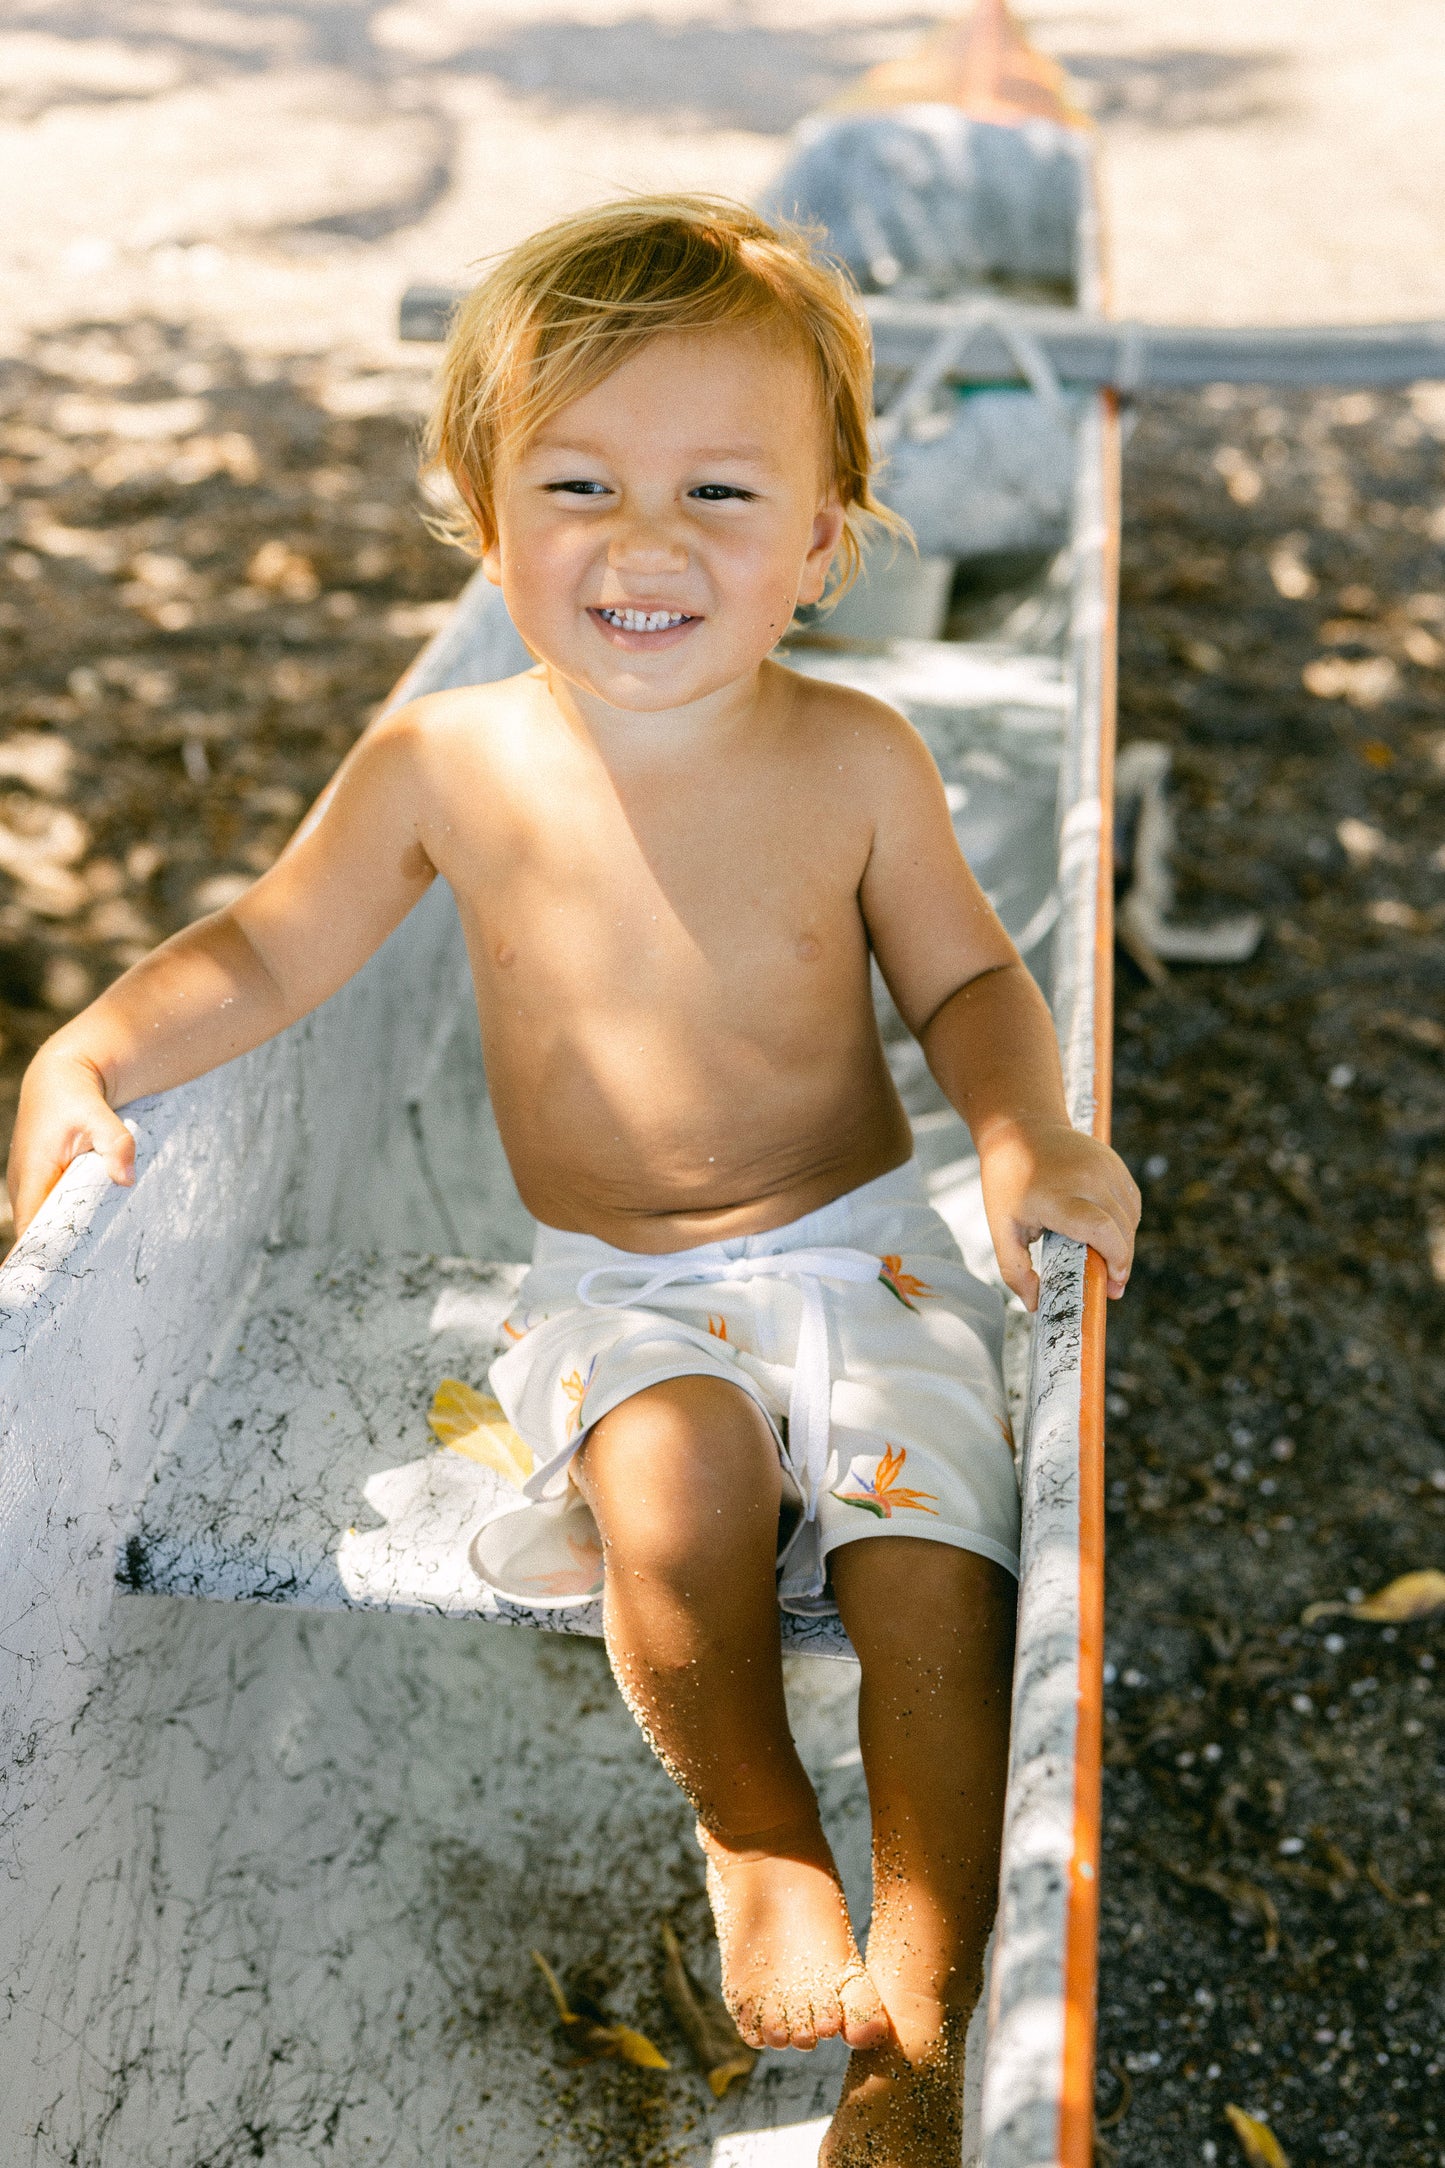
(273, 1875)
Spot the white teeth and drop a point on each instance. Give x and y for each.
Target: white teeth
(644, 620)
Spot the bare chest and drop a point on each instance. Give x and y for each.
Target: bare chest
(696, 894)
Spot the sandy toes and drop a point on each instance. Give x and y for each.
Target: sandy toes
(791, 1972)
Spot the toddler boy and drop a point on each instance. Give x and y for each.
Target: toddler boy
(748, 1354)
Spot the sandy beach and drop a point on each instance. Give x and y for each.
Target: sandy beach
(280, 172)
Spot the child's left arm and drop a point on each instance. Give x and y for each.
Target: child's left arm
(992, 1047)
(962, 989)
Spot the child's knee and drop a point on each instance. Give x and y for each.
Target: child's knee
(683, 1462)
(685, 1424)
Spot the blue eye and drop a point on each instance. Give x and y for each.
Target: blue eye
(577, 489)
(720, 492)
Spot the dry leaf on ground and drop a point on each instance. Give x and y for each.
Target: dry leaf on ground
(1411, 1596)
(592, 2032)
(1260, 2146)
(473, 1423)
(1393, 1896)
(1249, 1905)
(703, 2020)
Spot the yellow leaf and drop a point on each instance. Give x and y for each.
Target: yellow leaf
(593, 2033)
(456, 1408)
(472, 1423)
(1411, 1596)
(635, 2047)
(1261, 2147)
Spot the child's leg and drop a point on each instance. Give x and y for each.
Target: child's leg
(684, 1484)
(933, 1627)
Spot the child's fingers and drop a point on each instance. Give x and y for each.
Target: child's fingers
(1018, 1273)
(1016, 1266)
(116, 1146)
(1103, 1226)
(103, 1133)
(1120, 1194)
(1105, 1229)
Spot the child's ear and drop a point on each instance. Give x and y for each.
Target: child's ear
(827, 533)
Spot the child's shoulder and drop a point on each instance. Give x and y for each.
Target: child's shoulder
(460, 708)
(463, 717)
(876, 735)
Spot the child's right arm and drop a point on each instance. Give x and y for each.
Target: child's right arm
(348, 877)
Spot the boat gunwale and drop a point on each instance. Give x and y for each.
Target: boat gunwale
(1081, 1954)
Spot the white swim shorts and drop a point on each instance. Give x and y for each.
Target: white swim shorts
(858, 1330)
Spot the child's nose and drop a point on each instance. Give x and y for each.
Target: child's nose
(645, 545)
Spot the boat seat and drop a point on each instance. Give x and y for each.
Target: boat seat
(303, 1471)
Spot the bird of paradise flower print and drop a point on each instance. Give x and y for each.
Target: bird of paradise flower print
(575, 1385)
(578, 1579)
(885, 1495)
(909, 1289)
(718, 1327)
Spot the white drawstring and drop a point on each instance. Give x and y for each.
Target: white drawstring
(811, 1397)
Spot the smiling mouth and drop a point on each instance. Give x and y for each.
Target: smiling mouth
(645, 620)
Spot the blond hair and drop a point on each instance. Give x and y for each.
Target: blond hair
(562, 311)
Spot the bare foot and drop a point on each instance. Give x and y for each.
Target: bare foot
(791, 1973)
(902, 2104)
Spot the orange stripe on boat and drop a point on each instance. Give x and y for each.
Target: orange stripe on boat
(1081, 1943)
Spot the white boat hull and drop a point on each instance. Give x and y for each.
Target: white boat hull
(273, 1872)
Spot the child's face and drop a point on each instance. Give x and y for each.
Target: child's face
(687, 489)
